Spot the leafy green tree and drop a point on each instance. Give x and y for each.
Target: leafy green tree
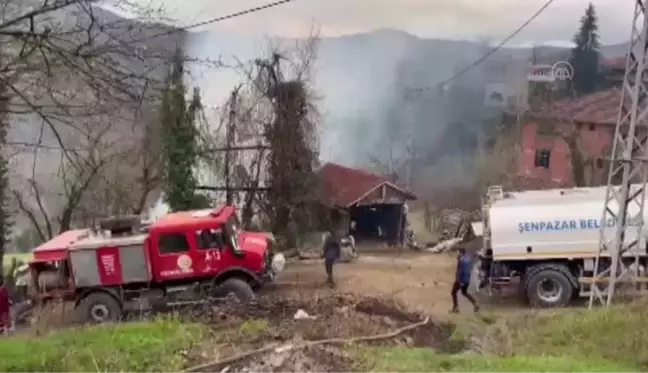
(179, 140)
(585, 55)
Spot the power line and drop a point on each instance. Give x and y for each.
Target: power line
(35, 145)
(488, 54)
(220, 19)
(238, 14)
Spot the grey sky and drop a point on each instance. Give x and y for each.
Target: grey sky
(425, 18)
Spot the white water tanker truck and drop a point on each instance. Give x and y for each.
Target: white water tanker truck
(548, 240)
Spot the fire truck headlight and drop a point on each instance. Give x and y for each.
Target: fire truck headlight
(278, 263)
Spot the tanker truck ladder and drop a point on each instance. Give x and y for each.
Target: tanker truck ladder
(624, 204)
(493, 193)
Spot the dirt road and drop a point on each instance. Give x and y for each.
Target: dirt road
(422, 281)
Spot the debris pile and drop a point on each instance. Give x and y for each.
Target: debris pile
(445, 245)
(313, 334)
(455, 220)
(457, 230)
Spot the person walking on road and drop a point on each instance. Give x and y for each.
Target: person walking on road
(5, 317)
(462, 280)
(332, 250)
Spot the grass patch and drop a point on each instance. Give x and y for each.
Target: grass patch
(615, 334)
(403, 359)
(136, 347)
(253, 326)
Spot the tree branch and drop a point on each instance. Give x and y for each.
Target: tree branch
(216, 365)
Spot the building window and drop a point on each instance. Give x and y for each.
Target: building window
(170, 243)
(600, 163)
(591, 127)
(542, 158)
(545, 129)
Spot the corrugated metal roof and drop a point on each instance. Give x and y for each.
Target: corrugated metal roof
(343, 186)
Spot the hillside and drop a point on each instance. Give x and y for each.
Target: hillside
(106, 99)
(139, 38)
(363, 78)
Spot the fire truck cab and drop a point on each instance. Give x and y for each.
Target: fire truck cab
(184, 257)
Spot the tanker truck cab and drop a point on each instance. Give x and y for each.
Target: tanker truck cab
(546, 242)
(183, 258)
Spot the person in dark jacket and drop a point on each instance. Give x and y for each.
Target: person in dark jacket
(331, 253)
(462, 280)
(5, 318)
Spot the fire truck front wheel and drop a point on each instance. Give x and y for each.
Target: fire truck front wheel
(237, 287)
(99, 307)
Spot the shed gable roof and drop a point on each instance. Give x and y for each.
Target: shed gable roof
(343, 186)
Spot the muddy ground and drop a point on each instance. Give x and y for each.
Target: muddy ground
(271, 323)
(421, 281)
(374, 295)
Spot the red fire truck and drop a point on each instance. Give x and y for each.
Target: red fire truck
(182, 258)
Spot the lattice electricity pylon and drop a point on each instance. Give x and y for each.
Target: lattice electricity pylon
(624, 203)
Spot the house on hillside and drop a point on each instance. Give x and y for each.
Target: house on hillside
(375, 208)
(613, 71)
(565, 133)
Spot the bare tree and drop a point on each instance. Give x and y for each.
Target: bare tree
(66, 60)
(51, 203)
(267, 139)
(90, 79)
(497, 164)
(130, 180)
(291, 136)
(391, 162)
(234, 149)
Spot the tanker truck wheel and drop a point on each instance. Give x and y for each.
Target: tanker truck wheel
(99, 307)
(549, 286)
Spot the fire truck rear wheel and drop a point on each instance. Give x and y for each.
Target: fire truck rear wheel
(549, 287)
(22, 312)
(237, 287)
(98, 308)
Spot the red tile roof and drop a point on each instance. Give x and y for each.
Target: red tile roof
(597, 108)
(614, 63)
(343, 186)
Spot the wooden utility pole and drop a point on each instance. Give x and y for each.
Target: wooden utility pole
(229, 142)
(231, 145)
